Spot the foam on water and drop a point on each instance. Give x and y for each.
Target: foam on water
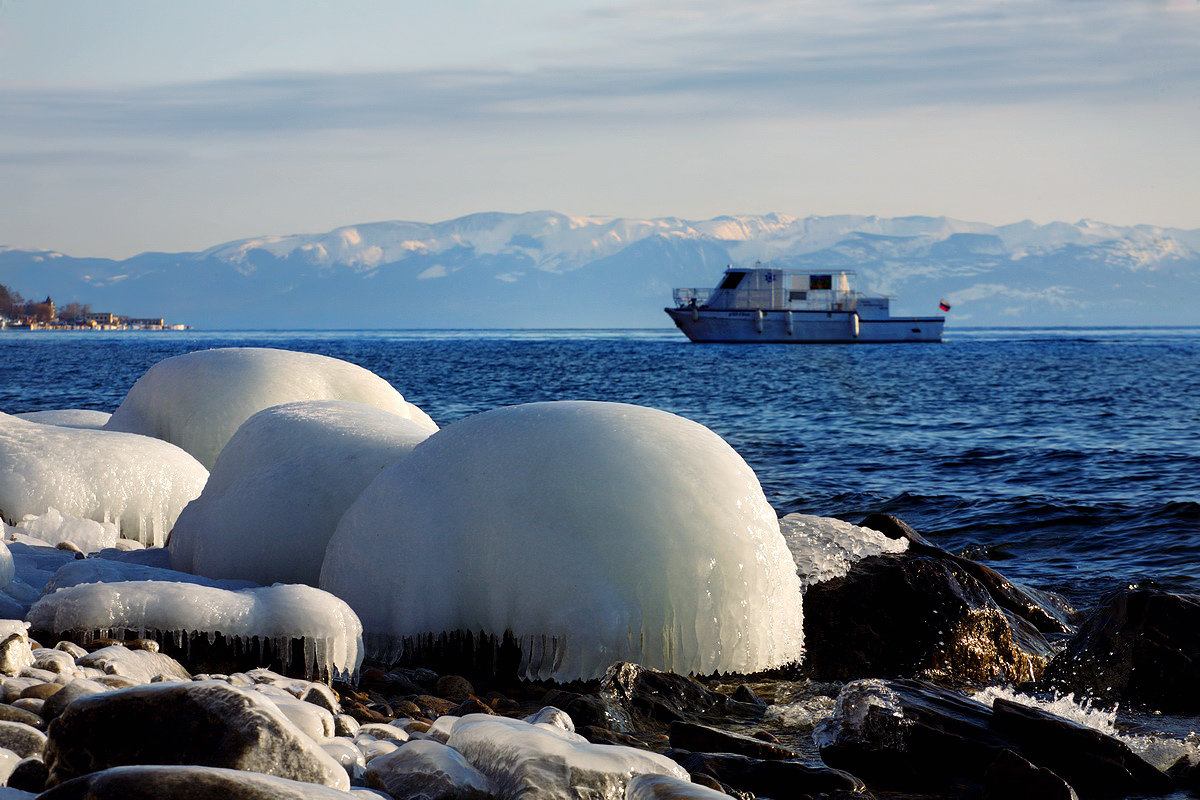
(331, 632)
(594, 532)
(280, 485)
(198, 400)
(139, 483)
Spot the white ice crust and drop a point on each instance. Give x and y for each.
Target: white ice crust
(331, 633)
(280, 486)
(103, 570)
(546, 761)
(595, 532)
(68, 417)
(665, 787)
(137, 482)
(825, 548)
(86, 534)
(198, 400)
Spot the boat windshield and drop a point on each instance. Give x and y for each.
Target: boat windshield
(732, 279)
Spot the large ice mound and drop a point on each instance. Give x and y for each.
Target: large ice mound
(594, 532)
(68, 417)
(280, 486)
(137, 482)
(331, 632)
(197, 400)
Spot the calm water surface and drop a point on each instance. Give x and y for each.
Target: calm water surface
(1067, 458)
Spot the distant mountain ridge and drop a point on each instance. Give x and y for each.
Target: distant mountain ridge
(546, 269)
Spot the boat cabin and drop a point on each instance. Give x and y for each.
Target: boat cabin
(767, 289)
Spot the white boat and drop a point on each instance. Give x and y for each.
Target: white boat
(761, 304)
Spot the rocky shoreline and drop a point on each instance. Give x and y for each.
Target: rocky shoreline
(879, 707)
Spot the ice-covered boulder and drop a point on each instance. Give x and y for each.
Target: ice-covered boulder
(825, 548)
(330, 631)
(68, 417)
(198, 400)
(427, 770)
(594, 532)
(137, 482)
(103, 570)
(280, 486)
(549, 762)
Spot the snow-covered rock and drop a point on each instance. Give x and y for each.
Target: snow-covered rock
(280, 485)
(594, 532)
(68, 417)
(331, 633)
(666, 787)
(198, 400)
(543, 760)
(825, 548)
(137, 482)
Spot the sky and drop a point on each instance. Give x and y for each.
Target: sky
(137, 125)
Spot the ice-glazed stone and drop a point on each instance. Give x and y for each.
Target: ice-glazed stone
(103, 570)
(137, 482)
(204, 723)
(86, 534)
(427, 770)
(193, 783)
(594, 532)
(68, 417)
(549, 762)
(666, 787)
(825, 548)
(198, 400)
(331, 632)
(280, 485)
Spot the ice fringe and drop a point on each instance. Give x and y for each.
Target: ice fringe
(330, 632)
(825, 548)
(589, 532)
(198, 400)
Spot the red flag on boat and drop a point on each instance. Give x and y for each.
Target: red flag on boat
(944, 306)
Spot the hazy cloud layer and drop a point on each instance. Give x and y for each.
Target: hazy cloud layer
(666, 62)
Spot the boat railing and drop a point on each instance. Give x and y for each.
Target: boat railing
(690, 297)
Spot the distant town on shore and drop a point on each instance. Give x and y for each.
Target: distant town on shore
(19, 314)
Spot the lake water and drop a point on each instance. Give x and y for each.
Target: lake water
(1066, 458)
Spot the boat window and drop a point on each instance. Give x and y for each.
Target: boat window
(797, 295)
(820, 282)
(732, 279)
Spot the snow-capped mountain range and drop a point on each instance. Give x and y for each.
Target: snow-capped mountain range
(545, 269)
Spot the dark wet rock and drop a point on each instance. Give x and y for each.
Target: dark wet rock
(29, 775)
(207, 723)
(187, 783)
(453, 687)
(13, 714)
(1093, 763)
(634, 695)
(1047, 612)
(587, 710)
(321, 695)
(767, 777)
(744, 694)
(1011, 776)
(57, 703)
(472, 705)
(24, 740)
(1142, 647)
(431, 706)
(707, 739)
(907, 615)
(905, 735)
(708, 782)
(597, 735)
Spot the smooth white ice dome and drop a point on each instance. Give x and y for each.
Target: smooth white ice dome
(198, 400)
(594, 532)
(68, 417)
(140, 483)
(280, 486)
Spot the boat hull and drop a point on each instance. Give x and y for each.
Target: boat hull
(802, 327)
